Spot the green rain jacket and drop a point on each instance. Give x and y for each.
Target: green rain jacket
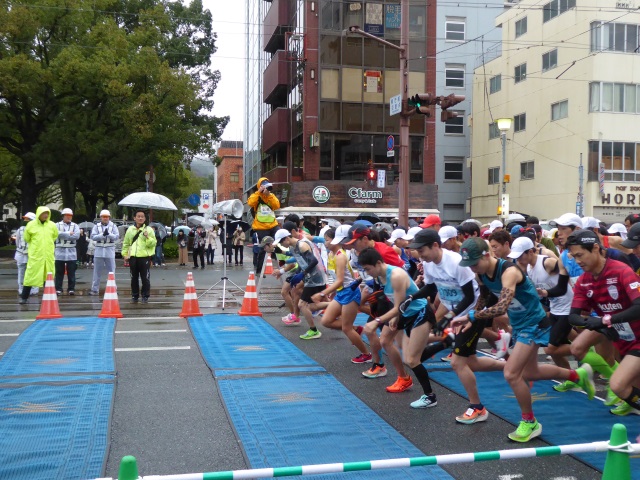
(143, 246)
(41, 237)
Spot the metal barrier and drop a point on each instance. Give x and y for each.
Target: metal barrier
(617, 465)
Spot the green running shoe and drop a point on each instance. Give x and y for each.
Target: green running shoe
(611, 399)
(311, 334)
(585, 372)
(526, 431)
(624, 409)
(566, 387)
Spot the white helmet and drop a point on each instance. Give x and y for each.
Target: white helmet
(105, 213)
(67, 211)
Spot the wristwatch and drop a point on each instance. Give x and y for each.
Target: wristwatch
(606, 320)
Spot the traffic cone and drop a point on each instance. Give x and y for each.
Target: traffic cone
(190, 307)
(110, 305)
(617, 465)
(250, 303)
(49, 308)
(268, 270)
(128, 468)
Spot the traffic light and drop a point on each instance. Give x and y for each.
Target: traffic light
(450, 101)
(372, 176)
(422, 103)
(446, 115)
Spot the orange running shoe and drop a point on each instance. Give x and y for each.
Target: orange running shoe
(473, 415)
(401, 385)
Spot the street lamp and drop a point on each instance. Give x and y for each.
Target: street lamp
(504, 125)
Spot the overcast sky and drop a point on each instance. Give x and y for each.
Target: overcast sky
(229, 24)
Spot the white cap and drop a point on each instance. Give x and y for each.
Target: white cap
(591, 222)
(411, 233)
(495, 224)
(519, 246)
(553, 232)
(342, 232)
(105, 213)
(280, 218)
(567, 220)
(67, 211)
(618, 228)
(396, 234)
(29, 215)
(280, 234)
(323, 230)
(447, 232)
(514, 217)
(472, 220)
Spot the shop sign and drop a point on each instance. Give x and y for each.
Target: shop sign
(321, 194)
(360, 195)
(621, 196)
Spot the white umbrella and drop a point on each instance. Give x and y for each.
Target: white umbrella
(332, 222)
(150, 200)
(200, 220)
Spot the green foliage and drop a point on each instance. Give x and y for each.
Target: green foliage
(170, 248)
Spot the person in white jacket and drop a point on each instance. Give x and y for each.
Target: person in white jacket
(65, 252)
(22, 253)
(104, 234)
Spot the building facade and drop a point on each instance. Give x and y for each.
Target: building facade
(230, 171)
(327, 101)
(568, 77)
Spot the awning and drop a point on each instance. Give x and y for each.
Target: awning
(353, 212)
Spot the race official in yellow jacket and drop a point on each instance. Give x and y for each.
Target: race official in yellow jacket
(138, 246)
(263, 205)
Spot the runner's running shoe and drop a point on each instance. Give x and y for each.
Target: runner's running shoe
(362, 358)
(375, 372)
(566, 387)
(473, 415)
(401, 385)
(502, 344)
(291, 320)
(611, 398)
(311, 334)
(624, 409)
(425, 401)
(359, 329)
(447, 358)
(526, 431)
(585, 372)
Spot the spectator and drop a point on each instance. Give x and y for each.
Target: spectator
(198, 247)
(81, 248)
(210, 244)
(22, 252)
(159, 254)
(238, 244)
(256, 249)
(183, 251)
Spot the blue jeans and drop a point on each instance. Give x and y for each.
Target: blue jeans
(158, 259)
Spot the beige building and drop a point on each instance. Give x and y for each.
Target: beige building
(568, 74)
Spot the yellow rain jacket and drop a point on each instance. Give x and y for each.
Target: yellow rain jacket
(142, 246)
(263, 206)
(40, 237)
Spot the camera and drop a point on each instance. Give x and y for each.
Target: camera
(270, 188)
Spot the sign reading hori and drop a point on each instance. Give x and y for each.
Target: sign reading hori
(360, 195)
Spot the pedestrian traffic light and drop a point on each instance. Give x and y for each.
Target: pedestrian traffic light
(372, 176)
(422, 103)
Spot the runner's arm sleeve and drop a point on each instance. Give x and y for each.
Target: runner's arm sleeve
(467, 299)
(629, 315)
(424, 292)
(311, 260)
(561, 288)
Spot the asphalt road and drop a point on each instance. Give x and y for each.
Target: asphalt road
(167, 409)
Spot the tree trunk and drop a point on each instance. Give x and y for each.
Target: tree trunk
(28, 188)
(67, 189)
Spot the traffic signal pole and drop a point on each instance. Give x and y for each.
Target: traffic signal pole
(405, 113)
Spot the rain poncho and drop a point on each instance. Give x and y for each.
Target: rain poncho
(41, 237)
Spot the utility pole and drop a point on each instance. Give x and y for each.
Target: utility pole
(580, 202)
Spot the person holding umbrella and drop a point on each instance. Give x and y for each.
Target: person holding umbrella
(138, 247)
(238, 244)
(264, 204)
(199, 239)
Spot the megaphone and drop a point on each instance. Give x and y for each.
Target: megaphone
(229, 207)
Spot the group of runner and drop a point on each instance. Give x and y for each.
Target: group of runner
(574, 292)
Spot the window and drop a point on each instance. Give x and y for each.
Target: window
(454, 30)
(520, 73)
(560, 110)
(550, 60)
(619, 161)
(520, 122)
(453, 168)
(494, 176)
(455, 125)
(494, 131)
(556, 7)
(454, 76)
(233, 177)
(526, 170)
(614, 97)
(495, 84)
(521, 27)
(615, 37)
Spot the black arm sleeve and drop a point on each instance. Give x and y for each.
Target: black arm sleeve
(631, 314)
(575, 316)
(424, 292)
(561, 288)
(311, 260)
(467, 300)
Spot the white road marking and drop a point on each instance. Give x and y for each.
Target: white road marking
(149, 349)
(564, 478)
(17, 320)
(149, 318)
(150, 331)
(1, 353)
(9, 334)
(510, 477)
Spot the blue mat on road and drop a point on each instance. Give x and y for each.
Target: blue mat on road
(66, 345)
(232, 342)
(311, 419)
(54, 432)
(566, 418)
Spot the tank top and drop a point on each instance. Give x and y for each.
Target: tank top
(541, 279)
(414, 307)
(331, 270)
(525, 309)
(317, 277)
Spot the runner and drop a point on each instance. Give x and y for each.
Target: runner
(519, 300)
(416, 321)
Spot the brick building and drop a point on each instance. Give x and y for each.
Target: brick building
(230, 171)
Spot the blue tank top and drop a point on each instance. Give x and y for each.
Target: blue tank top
(525, 309)
(405, 258)
(414, 307)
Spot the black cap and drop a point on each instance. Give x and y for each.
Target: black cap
(356, 232)
(428, 236)
(583, 237)
(289, 226)
(633, 237)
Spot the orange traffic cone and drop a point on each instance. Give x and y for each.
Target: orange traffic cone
(268, 270)
(110, 305)
(49, 308)
(250, 303)
(190, 307)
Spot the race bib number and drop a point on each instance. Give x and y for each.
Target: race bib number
(624, 331)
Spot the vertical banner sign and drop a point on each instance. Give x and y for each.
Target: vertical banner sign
(206, 199)
(601, 178)
(373, 19)
(373, 81)
(392, 17)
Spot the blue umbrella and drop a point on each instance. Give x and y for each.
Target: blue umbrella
(182, 228)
